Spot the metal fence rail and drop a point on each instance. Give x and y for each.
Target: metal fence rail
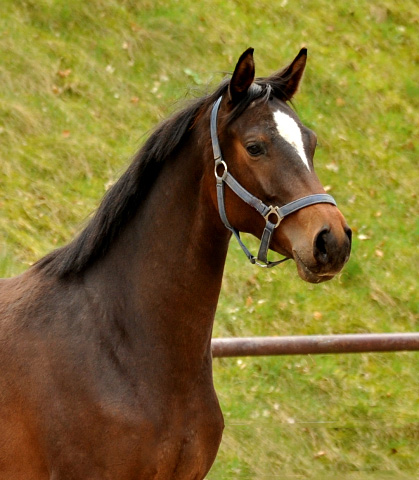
(312, 344)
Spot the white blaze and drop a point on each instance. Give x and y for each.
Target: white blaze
(290, 131)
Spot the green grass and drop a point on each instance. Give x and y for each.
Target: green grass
(82, 84)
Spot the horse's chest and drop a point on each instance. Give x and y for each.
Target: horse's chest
(183, 445)
(174, 442)
(187, 456)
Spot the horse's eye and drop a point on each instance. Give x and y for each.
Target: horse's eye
(255, 149)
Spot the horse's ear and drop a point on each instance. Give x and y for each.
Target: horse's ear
(243, 76)
(285, 82)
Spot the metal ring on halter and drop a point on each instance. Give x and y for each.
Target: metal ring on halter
(273, 210)
(261, 265)
(224, 175)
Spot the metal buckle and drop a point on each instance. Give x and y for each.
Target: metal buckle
(219, 162)
(262, 265)
(254, 261)
(273, 211)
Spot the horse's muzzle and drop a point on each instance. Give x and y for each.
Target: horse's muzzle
(330, 252)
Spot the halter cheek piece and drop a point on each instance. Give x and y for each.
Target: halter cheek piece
(272, 215)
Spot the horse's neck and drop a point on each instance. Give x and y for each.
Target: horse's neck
(162, 278)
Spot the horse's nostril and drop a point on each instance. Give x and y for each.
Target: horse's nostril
(320, 246)
(348, 232)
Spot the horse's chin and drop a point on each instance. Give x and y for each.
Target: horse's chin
(309, 275)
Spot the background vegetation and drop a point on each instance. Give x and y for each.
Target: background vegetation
(81, 85)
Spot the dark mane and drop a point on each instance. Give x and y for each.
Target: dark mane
(121, 202)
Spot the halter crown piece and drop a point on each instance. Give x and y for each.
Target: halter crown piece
(268, 212)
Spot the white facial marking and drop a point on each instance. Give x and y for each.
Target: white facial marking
(290, 131)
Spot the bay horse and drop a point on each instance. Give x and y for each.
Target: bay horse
(105, 343)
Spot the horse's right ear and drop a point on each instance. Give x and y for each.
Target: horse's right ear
(243, 77)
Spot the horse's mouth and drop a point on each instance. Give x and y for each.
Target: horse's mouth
(307, 274)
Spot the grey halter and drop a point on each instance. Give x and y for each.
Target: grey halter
(272, 215)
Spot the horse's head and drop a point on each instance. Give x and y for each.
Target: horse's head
(269, 152)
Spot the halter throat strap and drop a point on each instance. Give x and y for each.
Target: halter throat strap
(273, 215)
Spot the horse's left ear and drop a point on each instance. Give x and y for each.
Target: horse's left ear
(243, 77)
(285, 82)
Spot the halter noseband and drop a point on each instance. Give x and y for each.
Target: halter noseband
(268, 212)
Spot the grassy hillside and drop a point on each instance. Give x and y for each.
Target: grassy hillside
(82, 83)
